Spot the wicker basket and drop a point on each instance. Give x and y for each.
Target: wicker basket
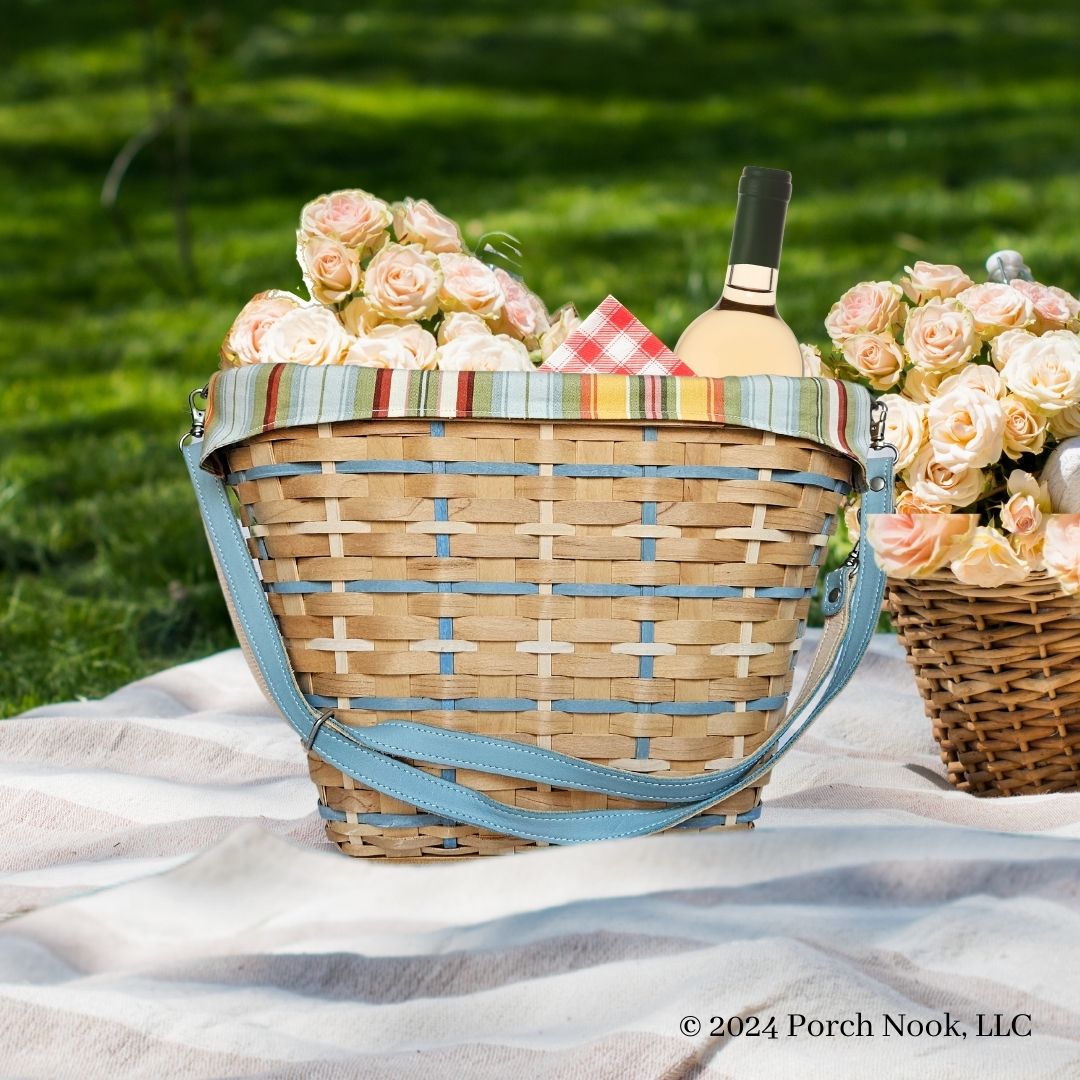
(590, 588)
(999, 672)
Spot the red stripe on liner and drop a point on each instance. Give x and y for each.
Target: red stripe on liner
(465, 393)
(272, 384)
(841, 393)
(380, 398)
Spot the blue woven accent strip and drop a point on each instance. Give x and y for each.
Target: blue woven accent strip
(703, 821)
(641, 747)
(495, 588)
(568, 705)
(262, 472)
(492, 468)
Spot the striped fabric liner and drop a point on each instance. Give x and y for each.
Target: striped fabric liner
(250, 400)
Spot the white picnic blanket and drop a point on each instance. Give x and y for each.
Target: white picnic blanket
(174, 910)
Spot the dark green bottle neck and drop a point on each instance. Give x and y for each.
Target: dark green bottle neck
(758, 234)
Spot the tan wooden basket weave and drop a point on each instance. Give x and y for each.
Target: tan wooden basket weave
(558, 594)
(999, 673)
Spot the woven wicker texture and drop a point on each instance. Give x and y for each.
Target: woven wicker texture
(999, 671)
(629, 594)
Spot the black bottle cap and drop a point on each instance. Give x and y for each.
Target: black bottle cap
(765, 183)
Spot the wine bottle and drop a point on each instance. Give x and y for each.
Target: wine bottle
(743, 334)
(1005, 266)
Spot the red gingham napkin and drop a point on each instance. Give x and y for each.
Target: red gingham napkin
(611, 341)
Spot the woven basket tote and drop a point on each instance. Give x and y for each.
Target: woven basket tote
(506, 610)
(999, 673)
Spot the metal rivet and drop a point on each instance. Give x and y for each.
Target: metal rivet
(834, 595)
(876, 483)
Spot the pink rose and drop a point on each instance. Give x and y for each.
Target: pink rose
(1061, 551)
(391, 346)
(928, 281)
(306, 335)
(935, 483)
(524, 315)
(331, 270)
(916, 545)
(470, 285)
(989, 560)
(905, 428)
(1055, 309)
(475, 352)
(871, 307)
(1025, 431)
(876, 357)
(996, 307)
(416, 221)
(403, 283)
(353, 217)
(243, 342)
(966, 428)
(940, 336)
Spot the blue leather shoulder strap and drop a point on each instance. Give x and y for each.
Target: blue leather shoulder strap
(369, 754)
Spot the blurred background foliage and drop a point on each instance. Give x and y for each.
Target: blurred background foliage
(607, 136)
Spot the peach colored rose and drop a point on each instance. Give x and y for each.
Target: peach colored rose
(871, 307)
(352, 217)
(243, 342)
(565, 322)
(358, 316)
(966, 428)
(402, 282)
(524, 315)
(1024, 516)
(306, 335)
(470, 285)
(331, 270)
(940, 336)
(922, 386)
(935, 483)
(979, 377)
(394, 346)
(989, 560)
(416, 221)
(876, 357)
(474, 352)
(906, 503)
(916, 545)
(1065, 423)
(1061, 551)
(461, 324)
(1025, 431)
(929, 281)
(905, 427)
(1001, 348)
(1055, 309)
(813, 366)
(1045, 371)
(851, 521)
(996, 307)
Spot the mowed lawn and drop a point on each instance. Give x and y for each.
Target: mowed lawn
(608, 137)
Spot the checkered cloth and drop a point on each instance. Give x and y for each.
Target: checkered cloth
(611, 341)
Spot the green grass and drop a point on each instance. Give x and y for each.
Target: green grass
(607, 136)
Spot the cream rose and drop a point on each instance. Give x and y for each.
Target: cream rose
(474, 352)
(906, 503)
(934, 483)
(524, 315)
(940, 336)
(1025, 431)
(1045, 371)
(306, 335)
(1065, 423)
(871, 307)
(915, 545)
(1028, 503)
(353, 217)
(402, 282)
(416, 221)
(928, 281)
(989, 560)
(905, 427)
(966, 428)
(391, 346)
(1001, 348)
(876, 357)
(470, 285)
(996, 307)
(331, 270)
(980, 377)
(358, 317)
(566, 321)
(812, 365)
(461, 324)
(243, 342)
(1055, 309)
(851, 521)
(1061, 551)
(922, 386)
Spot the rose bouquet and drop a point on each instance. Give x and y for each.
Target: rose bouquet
(392, 286)
(982, 384)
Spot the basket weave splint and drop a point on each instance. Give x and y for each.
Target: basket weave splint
(999, 672)
(627, 593)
